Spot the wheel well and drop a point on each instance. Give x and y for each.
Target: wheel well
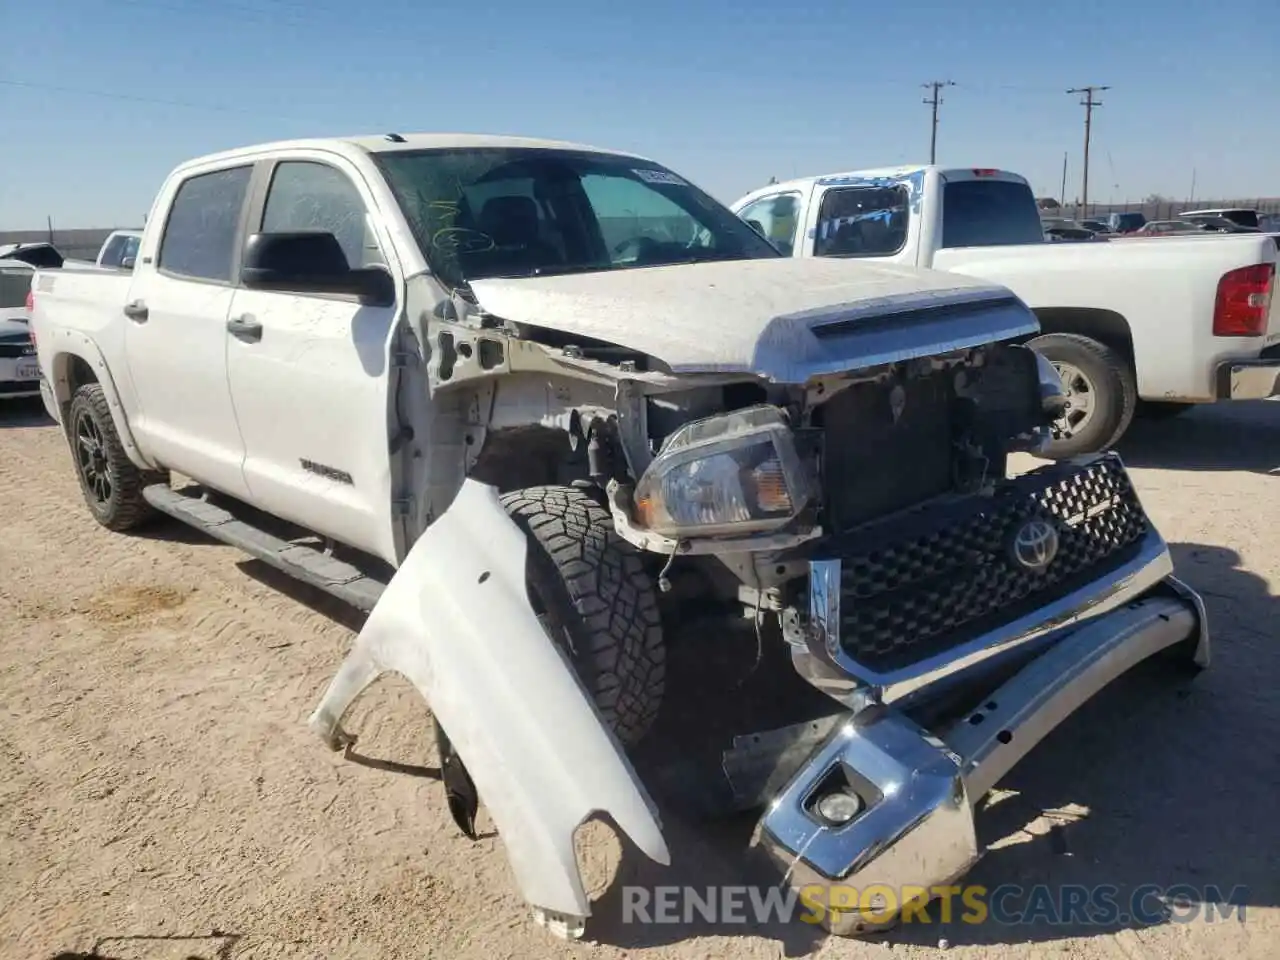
(76, 372)
(529, 456)
(1105, 326)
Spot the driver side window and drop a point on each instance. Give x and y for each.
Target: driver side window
(774, 217)
(627, 209)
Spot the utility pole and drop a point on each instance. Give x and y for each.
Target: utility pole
(934, 101)
(1063, 194)
(1088, 103)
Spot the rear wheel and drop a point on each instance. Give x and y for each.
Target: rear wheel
(111, 483)
(1102, 394)
(596, 601)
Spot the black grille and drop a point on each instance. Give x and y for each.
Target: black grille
(933, 578)
(874, 464)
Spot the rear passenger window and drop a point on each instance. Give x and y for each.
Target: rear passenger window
(315, 196)
(862, 222)
(200, 237)
(112, 254)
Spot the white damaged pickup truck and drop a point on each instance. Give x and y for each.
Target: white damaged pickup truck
(538, 406)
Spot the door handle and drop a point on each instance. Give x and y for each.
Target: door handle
(136, 311)
(245, 327)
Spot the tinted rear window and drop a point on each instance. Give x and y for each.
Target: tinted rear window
(1246, 218)
(200, 236)
(14, 285)
(989, 213)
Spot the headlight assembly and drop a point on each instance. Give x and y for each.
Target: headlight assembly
(733, 473)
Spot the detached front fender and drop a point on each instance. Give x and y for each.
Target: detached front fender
(456, 621)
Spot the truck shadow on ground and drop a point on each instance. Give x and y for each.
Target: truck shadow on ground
(23, 412)
(1244, 435)
(1165, 783)
(214, 946)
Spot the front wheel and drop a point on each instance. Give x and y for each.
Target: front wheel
(1101, 393)
(596, 601)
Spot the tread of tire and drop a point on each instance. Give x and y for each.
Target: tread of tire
(131, 509)
(613, 597)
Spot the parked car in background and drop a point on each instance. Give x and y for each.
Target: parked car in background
(1221, 225)
(1164, 228)
(1062, 228)
(1187, 320)
(1126, 222)
(19, 369)
(1240, 216)
(1097, 226)
(37, 254)
(119, 250)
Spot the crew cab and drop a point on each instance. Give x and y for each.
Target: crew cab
(1156, 325)
(535, 406)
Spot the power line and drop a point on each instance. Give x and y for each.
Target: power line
(934, 101)
(1088, 103)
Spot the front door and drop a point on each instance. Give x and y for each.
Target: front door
(176, 332)
(308, 372)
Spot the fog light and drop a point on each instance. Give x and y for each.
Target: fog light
(839, 807)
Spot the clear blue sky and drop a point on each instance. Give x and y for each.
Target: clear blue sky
(728, 94)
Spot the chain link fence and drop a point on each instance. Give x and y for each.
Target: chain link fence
(1163, 208)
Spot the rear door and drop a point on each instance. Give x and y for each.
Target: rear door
(176, 328)
(308, 372)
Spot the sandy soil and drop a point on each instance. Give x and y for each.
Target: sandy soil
(160, 796)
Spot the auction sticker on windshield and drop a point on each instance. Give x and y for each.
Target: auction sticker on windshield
(659, 176)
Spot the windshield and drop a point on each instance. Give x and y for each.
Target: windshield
(520, 212)
(989, 213)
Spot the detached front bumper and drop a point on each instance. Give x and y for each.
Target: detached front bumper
(917, 789)
(1248, 379)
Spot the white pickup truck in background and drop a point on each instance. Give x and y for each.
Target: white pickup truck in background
(1173, 322)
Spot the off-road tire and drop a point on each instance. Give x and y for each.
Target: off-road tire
(1112, 383)
(123, 507)
(597, 600)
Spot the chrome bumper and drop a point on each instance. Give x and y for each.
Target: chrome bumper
(1248, 379)
(916, 830)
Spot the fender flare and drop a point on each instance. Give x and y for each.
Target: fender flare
(76, 343)
(455, 620)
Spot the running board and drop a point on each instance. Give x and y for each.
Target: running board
(335, 577)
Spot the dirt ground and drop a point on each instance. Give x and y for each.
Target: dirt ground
(161, 797)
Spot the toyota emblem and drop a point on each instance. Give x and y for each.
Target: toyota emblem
(1034, 545)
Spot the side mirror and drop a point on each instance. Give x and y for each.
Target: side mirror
(126, 263)
(311, 262)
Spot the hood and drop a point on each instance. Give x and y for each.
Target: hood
(786, 319)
